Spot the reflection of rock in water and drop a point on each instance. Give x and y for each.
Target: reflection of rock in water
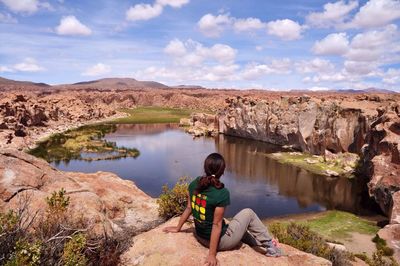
(246, 160)
(148, 129)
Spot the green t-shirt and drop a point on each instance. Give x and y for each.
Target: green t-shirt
(203, 207)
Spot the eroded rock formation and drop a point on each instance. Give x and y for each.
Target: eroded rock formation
(158, 248)
(103, 198)
(314, 125)
(310, 125)
(368, 126)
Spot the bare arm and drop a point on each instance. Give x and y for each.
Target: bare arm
(185, 215)
(215, 236)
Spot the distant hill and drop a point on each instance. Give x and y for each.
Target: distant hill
(12, 84)
(369, 90)
(116, 83)
(188, 87)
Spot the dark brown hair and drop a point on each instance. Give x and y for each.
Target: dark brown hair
(214, 167)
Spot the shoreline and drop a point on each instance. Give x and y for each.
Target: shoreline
(49, 131)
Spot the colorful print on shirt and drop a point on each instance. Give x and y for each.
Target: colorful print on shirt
(199, 203)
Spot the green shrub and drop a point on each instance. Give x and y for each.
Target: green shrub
(58, 202)
(55, 238)
(378, 259)
(25, 254)
(172, 202)
(10, 233)
(301, 237)
(73, 254)
(381, 245)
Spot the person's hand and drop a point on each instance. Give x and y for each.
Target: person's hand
(211, 261)
(275, 241)
(171, 229)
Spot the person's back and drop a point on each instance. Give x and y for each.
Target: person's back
(203, 207)
(206, 200)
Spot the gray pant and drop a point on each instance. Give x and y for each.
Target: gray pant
(245, 227)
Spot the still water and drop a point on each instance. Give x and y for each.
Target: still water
(254, 181)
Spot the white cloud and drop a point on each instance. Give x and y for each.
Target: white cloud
(143, 12)
(359, 68)
(392, 76)
(334, 14)
(317, 65)
(97, 70)
(285, 29)
(28, 6)
(173, 3)
(28, 65)
(213, 26)
(7, 18)
(316, 88)
(380, 46)
(375, 39)
(6, 69)
(255, 70)
(376, 13)
(175, 48)
(70, 25)
(147, 11)
(248, 24)
(191, 53)
(223, 53)
(333, 44)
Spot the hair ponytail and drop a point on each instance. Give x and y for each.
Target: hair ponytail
(214, 167)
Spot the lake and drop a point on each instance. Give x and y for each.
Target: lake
(254, 180)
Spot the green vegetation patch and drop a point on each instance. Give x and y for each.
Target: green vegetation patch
(381, 245)
(54, 237)
(338, 225)
(303, 238)
(153, 115)
(87, 139)
(172, 202)
(341, 164)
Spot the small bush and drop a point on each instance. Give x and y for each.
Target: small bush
(381, 245)
(73, 251)
(378, 259)
(58, 202)
(172, 202)
(57, 239)
(302, 238)
(25, 254)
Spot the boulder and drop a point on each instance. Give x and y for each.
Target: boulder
(103, 198)
(306, 124)
(391, 233)
(158, 248)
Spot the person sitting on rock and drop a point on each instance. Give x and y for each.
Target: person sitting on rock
(207, 200)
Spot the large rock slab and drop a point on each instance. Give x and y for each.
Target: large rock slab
(158, 248)
(391, 233)
(103, 198)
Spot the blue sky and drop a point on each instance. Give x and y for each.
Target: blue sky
(218, 44)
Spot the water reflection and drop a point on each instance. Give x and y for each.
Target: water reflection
(247, 161)
(253, 179)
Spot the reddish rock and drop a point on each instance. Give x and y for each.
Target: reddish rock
(391, 233)
(158, 248)
(101, 197)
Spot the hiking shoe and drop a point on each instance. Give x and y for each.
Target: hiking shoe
(272, 249)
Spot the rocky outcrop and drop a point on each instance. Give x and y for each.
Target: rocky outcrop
(309, 125)
(22, 116)
(103, 198)
(367, 126)
(201, 124)
(158, 248)
(318, 126)
(381, 155)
